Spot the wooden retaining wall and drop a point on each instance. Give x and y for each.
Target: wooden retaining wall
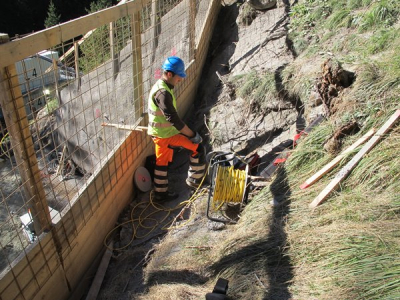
(55, 264)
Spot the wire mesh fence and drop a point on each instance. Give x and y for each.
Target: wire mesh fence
(62, 108)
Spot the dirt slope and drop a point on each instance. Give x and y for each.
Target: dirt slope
(146, 268)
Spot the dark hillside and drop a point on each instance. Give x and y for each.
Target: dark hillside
(27, 16)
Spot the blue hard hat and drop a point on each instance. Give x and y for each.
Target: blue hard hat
(176, 65)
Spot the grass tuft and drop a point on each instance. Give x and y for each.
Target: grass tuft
(382, 13)
(340, 18)
(52, 105)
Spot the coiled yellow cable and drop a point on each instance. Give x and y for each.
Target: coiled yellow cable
(230, 184)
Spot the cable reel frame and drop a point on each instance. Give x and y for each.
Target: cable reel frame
(217, 160)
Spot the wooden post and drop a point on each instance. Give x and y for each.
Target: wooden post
(77, 74)
(352, 163)
(153, 23)
(154, 29)
(113, 55)
(192, 30)
(17, 125)
(4, 38)
(137, 67)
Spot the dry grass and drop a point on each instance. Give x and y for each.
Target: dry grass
(352, 240)
(173, 292)
(185, 251)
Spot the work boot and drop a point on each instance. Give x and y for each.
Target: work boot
(165, 196)
(193, 183)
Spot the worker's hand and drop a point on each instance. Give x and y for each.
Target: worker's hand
(196, 139)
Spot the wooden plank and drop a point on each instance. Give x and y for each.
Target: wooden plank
(342, 174)
(34, 265)
(336, 160)
(91, 237)
(91, 229)
(208, 24)
(58, 288)
(186, 92)
(101, 271)
(72, 49)
(21, 48)
(125, 127)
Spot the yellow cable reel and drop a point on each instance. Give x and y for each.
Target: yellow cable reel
(228, 184)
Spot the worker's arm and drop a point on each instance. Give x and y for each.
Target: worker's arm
(187, 131)
(164, 101)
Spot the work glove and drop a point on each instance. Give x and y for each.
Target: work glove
(196, 139)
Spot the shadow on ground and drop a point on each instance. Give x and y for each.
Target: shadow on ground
(170, 277)
(268, 255)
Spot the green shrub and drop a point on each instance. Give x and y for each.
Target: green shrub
(52, 105)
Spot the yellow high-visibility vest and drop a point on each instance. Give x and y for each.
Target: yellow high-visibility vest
(158, 124)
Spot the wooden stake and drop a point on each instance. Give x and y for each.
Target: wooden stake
(260, 178)
(125, 127)
(260, 183)
(336, 160)
(342, 174)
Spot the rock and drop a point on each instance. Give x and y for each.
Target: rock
(261, 4)
(212, 225)
(315, 99)
(247, 14)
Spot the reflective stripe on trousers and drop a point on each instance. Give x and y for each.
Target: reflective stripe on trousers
(164, 156)
(197, 169)
(160, 179)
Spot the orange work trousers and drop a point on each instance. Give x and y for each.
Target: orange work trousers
(164, 153)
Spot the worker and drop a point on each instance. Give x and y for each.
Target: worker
(168, 131)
